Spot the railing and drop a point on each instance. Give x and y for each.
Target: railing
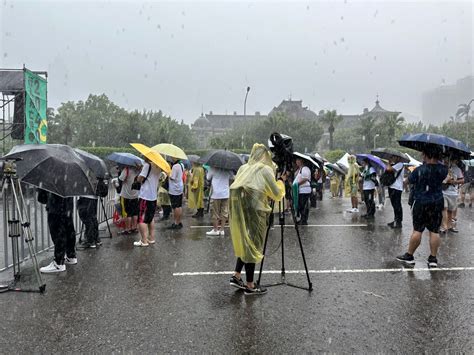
(37, 216)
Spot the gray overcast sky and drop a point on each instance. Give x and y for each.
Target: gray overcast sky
(181, 56)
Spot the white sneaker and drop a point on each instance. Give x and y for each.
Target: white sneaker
(70, 261)
(52, 268)
(213, 232)
(349, 210)
(221, 232)
(355, 210)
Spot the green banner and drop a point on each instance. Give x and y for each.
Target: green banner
(36, 125)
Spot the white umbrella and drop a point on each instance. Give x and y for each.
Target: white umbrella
(413, 161)
(344, 160)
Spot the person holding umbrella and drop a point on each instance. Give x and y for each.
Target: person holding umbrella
(369, 178)
(175, 191)
(427, 210)
(395, 191)
(147, 182)
(302, 180)
(130, 197)
(220, 181)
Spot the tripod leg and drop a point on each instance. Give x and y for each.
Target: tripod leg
(105, 214)
(272, 204)
(281, 214)
(310, 285)
(22, 217)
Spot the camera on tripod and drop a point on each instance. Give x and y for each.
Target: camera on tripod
(281, 146)
(7, 167)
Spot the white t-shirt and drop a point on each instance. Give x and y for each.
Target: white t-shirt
(149, 187)
(398, 184)
(304, 173)
(220, 182)
(176, 185)
(127, 176)
(456, 174)
(369, 184)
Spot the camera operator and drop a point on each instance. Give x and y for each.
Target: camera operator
(254, 185)
(87, 209)
(302, 180)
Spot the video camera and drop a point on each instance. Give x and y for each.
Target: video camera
(281, 146)
(7, 167)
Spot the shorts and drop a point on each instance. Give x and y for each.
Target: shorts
(147, 211)
(131, 207)
(466, 188)
(427, 216)
(176, 201)
(220, 209)
(450, 202)
(354, 189)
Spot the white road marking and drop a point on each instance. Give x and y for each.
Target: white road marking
(292, 225)
(333, 271)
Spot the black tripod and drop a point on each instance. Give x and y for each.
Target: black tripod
(18, 221)
(281, 219)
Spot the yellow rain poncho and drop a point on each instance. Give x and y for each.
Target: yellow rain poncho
(196, 188)
(352, 177)
(249, 206)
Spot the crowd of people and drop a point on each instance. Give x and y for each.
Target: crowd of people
(241, 198)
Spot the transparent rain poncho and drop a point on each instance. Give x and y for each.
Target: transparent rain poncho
(254, 185)
(352, 177)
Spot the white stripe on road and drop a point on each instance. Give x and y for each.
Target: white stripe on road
(309, 225)
(334, 271)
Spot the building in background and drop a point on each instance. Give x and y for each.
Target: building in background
(439, 104)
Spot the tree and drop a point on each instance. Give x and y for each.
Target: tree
(390, 127)
(331, 119)
(366, 129)
(463, 110)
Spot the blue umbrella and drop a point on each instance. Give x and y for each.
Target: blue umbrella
(125, 159)
(376, 162)
(435, 142)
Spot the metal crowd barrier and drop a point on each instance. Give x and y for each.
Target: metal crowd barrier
(37, 217)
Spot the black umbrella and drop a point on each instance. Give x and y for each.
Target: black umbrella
(94, 163)
(307, 158)
(343, 168)
(335, 168)
(435, 142)
(55, 168)
(222, 159)
(390, 153)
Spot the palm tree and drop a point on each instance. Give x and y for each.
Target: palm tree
(463, 110)
(392, 124)
(366, 129)
(331, 119)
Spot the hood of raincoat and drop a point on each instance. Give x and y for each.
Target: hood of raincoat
(254, 185)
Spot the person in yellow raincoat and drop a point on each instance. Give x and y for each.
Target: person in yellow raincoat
(196, 190)
(352, 183)
(334, 184)
(254, 185)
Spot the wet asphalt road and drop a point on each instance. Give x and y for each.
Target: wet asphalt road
(132, 300)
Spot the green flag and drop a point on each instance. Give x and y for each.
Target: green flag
(36, 125)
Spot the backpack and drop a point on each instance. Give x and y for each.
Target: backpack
(389, 177)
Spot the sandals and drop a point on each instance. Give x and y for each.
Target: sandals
(151, 241)
(140, 244)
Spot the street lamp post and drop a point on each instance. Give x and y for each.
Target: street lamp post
(245, 101)
(375, 139)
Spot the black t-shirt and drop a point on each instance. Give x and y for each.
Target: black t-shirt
(427, 181)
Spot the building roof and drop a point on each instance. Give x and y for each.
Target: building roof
(295, 109)
(379, 111)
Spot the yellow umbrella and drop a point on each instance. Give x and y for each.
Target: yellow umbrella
(170, 150)
(154, 156)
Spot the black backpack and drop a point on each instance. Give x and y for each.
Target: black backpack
(389, 177)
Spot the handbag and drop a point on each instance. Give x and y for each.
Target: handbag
(136, 185)
(388, 177)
